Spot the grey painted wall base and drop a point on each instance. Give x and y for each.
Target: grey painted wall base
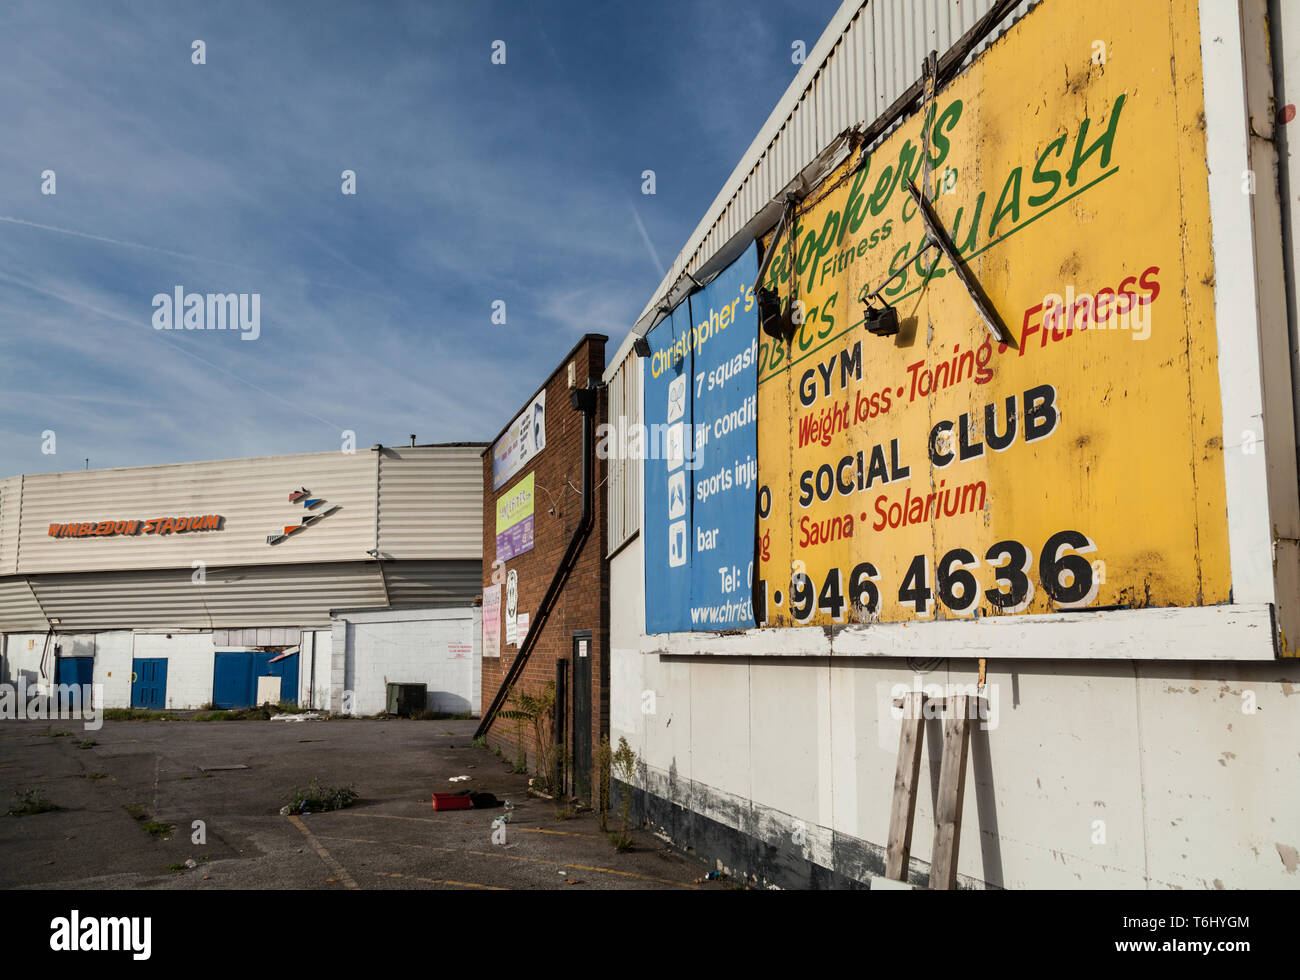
(765, 860)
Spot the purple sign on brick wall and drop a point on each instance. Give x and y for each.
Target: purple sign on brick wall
(515, 520)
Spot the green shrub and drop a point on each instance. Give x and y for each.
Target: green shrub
(137, 714)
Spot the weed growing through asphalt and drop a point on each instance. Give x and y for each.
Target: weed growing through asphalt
(52, 734)
(624, 763)
(315, 798)
(85, 743)
(149, 825)
(29, 801)
(535, 711)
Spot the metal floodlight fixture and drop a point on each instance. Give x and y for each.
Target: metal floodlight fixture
(776, 322)
(641, 346)
(880, 321)
(769, 307)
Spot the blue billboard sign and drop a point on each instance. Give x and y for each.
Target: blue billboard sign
(699, 509)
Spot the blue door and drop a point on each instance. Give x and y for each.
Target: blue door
(75, 670)
(235, 674)
(286, 670)
(232, 680)
(149, 683)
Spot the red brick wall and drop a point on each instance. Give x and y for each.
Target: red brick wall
(583, 602)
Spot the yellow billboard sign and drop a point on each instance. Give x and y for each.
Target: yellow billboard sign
(938, 473)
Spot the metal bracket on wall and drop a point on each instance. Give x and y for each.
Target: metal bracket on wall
(937, 236)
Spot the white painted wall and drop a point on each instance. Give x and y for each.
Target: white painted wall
(110, 650)
(190, 661)
(315, 694)
(1191, 789)
(23, 659)
(440, 648)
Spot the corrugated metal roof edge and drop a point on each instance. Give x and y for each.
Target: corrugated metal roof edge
(776, 120)
(761, 223)
(242, 566)
(402, 610)
(767, 218)
(191, 462)
(252, 459)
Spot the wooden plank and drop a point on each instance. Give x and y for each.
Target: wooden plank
(952, 792)
(905, 779)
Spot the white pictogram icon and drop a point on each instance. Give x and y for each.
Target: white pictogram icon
(673, 449)
(677, 495)
(677, 544)
(677, 398)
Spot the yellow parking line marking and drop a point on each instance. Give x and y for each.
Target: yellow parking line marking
(520, 857)
(527, 830)
(440, 881)
(338, 869)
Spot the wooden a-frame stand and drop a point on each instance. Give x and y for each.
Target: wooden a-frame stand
(952, 787)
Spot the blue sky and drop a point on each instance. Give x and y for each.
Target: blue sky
(475, 183)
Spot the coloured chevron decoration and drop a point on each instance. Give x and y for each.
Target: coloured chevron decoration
(303, 496)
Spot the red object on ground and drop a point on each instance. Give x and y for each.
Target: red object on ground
(451, 801)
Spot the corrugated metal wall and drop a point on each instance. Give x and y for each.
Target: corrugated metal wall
(624, 494)
(271, 595)
(19, 609)
(431, 509)
(263, 636)
(431, 502)
(10, 503)
(232, 597)
(431, 583)
(429, 529)
(252, 495)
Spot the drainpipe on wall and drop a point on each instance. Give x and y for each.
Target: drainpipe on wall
(585, 400)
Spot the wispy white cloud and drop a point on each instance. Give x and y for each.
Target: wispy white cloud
(475, 183)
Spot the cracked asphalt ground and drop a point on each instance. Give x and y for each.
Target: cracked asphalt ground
(135, 772)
